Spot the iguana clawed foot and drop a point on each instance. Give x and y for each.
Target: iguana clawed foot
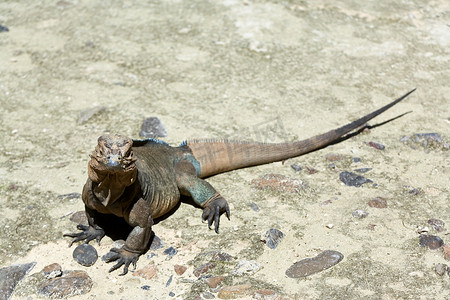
(123, 258)
(88, 234)
(213, 211)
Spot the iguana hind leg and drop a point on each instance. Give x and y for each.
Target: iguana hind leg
(202, 193)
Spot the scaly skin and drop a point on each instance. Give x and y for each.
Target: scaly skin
(143, 180)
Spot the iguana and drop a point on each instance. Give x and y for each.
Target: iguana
(140, 180)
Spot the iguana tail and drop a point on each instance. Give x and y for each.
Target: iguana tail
(218, 156)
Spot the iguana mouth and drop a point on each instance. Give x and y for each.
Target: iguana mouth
(113, 154)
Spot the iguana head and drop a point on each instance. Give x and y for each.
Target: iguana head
(113, 154)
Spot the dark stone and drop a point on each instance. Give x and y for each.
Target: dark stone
(440, 269)
(171, 251)
(430, 241)
(69, 196)
(157, 243)
(172, 294)
(145, 287)
(203, 269)
(85, 255)
(87, 114)
(79, 217)
(169, 281)
(352, 179)
(71, 283)
(152, 127)
(254, 206)
(363, 170)
(356, 159)
(309, 266)
(438, 225)
(3, 28)
(273, 237)
(297, 168)
(10, 276)
(375, 145)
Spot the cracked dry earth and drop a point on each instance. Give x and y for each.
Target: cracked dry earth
(256, 70)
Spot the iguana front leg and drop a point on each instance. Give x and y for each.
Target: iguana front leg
(137, 241)
(213, 204)
(89, 233)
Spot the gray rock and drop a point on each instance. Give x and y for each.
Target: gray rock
(430, 241)
(157, 243)
(153, 127)
(437, 224)
(352, 179)
(85, 255)
(71, 283)
(171, 251)
(10, 276)
(362, 170)
(254, 206)
(360, 214)
(440, 269)
(273, 237)
(313, 265)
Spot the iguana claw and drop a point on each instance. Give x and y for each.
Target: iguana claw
(213, 211)
(88, 234)
(123, 258)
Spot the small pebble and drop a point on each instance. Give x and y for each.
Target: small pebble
(145, 287)
(446, 250)
(85, 255)
(430, 241)
(329, 226)
(79, 217)
(234, 291)
(352, 179)
(172, 294)
(311, 170)
(356, 159)
(378, 202)
(266, 294)
(52, 271)
(157, 243)
(363, 170)
(203, 269)
(297, 168)
(147, 272)
(254, 206)
(246, 267)
(438, 225)
(152, 128)
(440, 269)
(360, 214)
(3, 28)
(208, 295)
(171, 251)
(309, 266)
(179, 269)
(371, 227)
(375, 145)
(273, 237)
(169, 281)
(333, 157)
(214, 281)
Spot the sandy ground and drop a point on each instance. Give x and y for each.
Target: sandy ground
(253, 70)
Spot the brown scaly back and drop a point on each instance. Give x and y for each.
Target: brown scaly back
(218, 156)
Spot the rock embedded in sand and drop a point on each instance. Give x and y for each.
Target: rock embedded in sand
(313, 265)
(377, 202)
(273, 237)
(10, 277)
(234, 291)
(431, 241)
(152, 128)
(246, 267)
(52, 271)
(203, 269)
(71, 283)
(179, 269)
(157, 243)
(147, 272)
(352, 179)
(85, 255)
(171, 251)
(446, 251)
(360, 214)
(440, 269)
(214, 281)
(437, 224)
(376, 145)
